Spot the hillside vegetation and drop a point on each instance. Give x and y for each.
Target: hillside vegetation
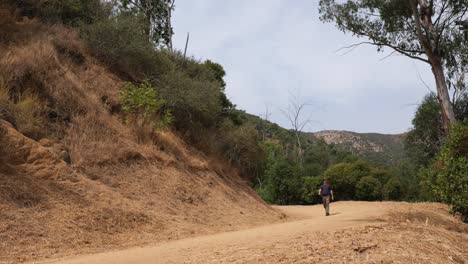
(111, 138)
(76, 175)
(380, 149)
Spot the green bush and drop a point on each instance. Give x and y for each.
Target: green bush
(311, 186)
(143, 107)
(448, 175)
(282, 184)
(195, 102)
(393, 190)
(368, 189)
(239, 145)
(120, 42)
(345, 176)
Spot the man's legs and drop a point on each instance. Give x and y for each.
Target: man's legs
(326, 204)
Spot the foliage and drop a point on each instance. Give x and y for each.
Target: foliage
(423, 142)
(120, 42)
(368, 188)
(68, 12)
(239, 145)
(282, 183)
(448, 175)
(195, 101)
(157, 16)
(311, 186)
(166, 87)
(23, 113)
(345, 176)
(143, 107)
(393, 190)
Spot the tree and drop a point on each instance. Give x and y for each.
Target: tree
(419, 29)
(423, 142)
(393, 190)
(344, 178)
(448, 175)
(294, 114)
(157, 14)
(369, 189)
(281, 182)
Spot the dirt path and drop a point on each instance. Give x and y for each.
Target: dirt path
(235, 247)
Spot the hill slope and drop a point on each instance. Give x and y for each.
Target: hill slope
(79, 179)
(381, 149)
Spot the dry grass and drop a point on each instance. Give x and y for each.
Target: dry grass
(116, 192)
(427, 214)
(23, 113)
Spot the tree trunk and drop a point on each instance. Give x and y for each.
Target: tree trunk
(427, 39)
(299, 149)
(442, 93)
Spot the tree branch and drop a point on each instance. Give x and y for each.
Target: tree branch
(405, 52)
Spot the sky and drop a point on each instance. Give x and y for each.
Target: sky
(272, 48)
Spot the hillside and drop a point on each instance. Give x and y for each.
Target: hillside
(380, 149)
(75, 178)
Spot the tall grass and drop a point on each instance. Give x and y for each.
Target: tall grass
(24, 113)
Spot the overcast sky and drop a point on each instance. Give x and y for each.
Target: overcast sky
(271, 47)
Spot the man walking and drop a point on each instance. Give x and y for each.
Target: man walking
(326, 191)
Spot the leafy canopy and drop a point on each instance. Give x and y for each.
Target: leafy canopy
(448, 175)
(392, 24)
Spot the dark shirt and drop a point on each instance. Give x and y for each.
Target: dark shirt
(326, 189)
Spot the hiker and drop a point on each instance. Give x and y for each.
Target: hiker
(326, 191)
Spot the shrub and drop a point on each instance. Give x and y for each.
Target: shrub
(311, 186)
(369, 189)
(448, 174)
(120, 42)
(68, 12)
(345, 176)
(27, 114)
(392, 190)
(238, 144)
(143, 108)
(282, 184)
(24, 115)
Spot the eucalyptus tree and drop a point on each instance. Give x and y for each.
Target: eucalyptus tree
(423, 30)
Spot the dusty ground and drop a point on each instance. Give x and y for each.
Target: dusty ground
(356, 232)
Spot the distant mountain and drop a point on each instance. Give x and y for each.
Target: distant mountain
(380, 149)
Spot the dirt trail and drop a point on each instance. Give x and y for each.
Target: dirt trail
(237, 245)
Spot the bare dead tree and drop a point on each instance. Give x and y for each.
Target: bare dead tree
(266, 116)
(186, 44)
(294, 113)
